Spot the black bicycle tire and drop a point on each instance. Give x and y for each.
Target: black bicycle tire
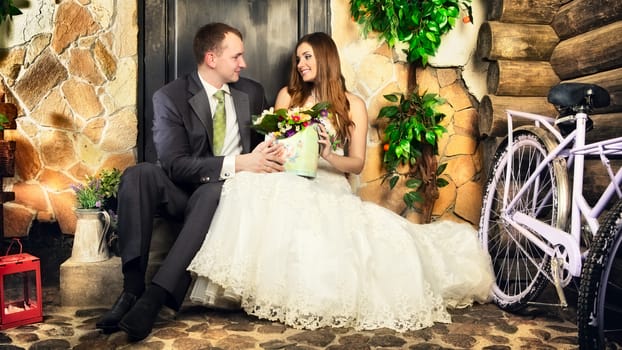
(562, 207)
(596, 270)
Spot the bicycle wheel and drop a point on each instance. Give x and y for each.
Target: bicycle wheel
(599, 308)
(521, 267)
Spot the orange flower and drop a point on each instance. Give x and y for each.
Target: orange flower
(385, 147)
(466, 19)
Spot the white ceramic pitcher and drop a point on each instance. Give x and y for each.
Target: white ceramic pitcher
(89, 242)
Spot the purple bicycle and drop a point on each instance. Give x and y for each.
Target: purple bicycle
(539, 228)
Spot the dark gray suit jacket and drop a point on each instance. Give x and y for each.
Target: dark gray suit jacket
(183, 132)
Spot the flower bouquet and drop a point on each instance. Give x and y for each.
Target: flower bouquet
(294, 129)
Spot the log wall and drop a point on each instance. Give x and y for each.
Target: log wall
(532, 45)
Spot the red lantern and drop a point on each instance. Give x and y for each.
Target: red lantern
(20, 289)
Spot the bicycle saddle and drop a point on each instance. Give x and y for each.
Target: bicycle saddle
(569, 95)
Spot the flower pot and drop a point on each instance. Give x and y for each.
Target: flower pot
(7, 158)
(302, 152)
(89, 242)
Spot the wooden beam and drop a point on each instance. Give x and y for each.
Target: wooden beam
(520, 78)
(523, 11)
(510, 41)
(581, 16)
(592, 52)
(492, 112)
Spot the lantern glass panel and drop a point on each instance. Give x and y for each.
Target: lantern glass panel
(20, 292)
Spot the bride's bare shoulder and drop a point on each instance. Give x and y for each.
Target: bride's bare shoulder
(282, 98)
(355, 100)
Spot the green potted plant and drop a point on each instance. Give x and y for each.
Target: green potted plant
(95, 213)
(100, 191)
(419, 24)
(411, 146)
(7, 148)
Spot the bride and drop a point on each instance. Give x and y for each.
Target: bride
(310, 254)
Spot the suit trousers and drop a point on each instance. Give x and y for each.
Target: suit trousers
(146, 191)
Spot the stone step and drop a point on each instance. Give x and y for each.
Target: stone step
(100, 283)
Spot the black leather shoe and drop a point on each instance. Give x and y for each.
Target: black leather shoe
(109, 322)
(139, 321)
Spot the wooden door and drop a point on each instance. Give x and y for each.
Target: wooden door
(270, 28)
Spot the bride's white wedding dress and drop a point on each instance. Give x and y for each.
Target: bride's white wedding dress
(309, 253)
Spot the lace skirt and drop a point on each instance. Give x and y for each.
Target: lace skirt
(310, 254)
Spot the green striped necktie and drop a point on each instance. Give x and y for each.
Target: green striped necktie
(220, 122)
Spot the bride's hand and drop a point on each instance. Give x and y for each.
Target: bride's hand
(324, 140)
(267, 157)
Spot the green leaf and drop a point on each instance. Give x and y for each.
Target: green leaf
(393, 181)
(388, 111)
(410, 198)
(441, 168)
(430, 137)
(391, 97)
(413, 183)
(268, 124)
(440, 182)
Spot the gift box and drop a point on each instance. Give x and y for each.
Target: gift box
(20, 290)
(302, 152)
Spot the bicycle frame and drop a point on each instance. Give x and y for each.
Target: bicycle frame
(550, 237)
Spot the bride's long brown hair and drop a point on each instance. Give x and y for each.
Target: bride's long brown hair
(329, 84)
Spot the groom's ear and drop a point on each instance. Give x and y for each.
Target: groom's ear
(210, 59)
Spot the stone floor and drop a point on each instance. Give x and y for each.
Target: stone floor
(477, 327)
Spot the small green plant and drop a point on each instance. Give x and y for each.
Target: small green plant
(418, 23)
(411, 139)
(3, 121)
(8, 10)
(99, 191)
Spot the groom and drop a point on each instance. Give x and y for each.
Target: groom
(187, 182)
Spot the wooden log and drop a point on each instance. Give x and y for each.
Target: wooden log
(606, 126)
(509, 41)
(596, 179)
(610, 80)
(520, 78)
(592, 52)
(581, 16)
(523, 11)
(492, 112)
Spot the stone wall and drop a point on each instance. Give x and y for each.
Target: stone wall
(71, 67)
(72, 73)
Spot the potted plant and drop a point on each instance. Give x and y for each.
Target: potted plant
(418, 24)
(8, 111)
(96, 203)
(411, 146)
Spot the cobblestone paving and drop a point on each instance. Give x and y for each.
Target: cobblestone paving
(477, 327)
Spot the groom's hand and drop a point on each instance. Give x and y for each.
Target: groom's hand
(267, 157)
